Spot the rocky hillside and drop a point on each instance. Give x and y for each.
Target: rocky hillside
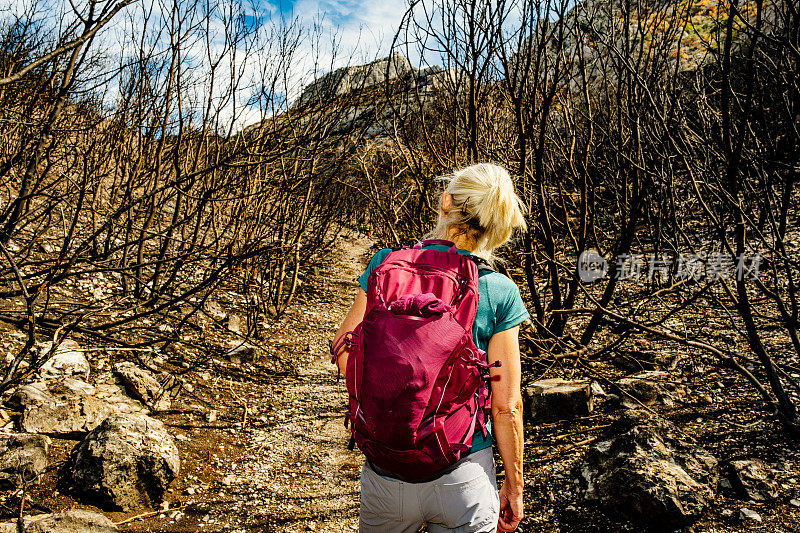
(395, 70)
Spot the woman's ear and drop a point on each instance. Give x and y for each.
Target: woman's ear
(447, 202)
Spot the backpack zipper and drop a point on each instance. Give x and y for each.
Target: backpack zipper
(460, 281)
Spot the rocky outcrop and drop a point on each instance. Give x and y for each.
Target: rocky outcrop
(127, 462)
(557, 399)
(64, 408)
(355, 98)
(346, 80)
(643, 469)
(22, 458)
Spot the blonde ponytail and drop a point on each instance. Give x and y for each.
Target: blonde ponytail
(485, 207)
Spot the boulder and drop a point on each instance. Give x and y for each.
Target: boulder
(648, 387)
(65, 360)
(750, 479)
(22, 458)
(557, 399)
(144, 386)
(641, 469)
(56, 409)
(126, 463)
(71, 521)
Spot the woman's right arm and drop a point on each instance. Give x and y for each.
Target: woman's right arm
(353, 319)
(507, 422)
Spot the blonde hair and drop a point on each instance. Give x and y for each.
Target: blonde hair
(485, 208)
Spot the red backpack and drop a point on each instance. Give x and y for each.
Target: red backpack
(416, 381)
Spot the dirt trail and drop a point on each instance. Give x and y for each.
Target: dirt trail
(295, 472)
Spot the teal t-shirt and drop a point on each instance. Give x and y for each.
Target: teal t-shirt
(500, 307)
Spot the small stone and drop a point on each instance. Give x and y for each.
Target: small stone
(143, 386)
(725, 483)
(597, 389)
(65, 360)
(648, 387)
(557, 399)
(237, 324)
(751, 480)
(794, 503)
(181, 437)
(72, 520)
(749, 514)
(211, 416)
(22, 458)
(190, 491)
(241, 352)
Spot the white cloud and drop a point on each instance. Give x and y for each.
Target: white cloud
(333, 33)
(362, 29)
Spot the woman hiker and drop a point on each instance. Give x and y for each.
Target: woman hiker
(479, 211)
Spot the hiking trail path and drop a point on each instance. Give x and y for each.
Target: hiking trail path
(294, 471)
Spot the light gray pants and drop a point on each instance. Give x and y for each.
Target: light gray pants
(463, 500)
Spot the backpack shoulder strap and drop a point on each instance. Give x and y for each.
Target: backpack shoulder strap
(402, 246)
(482, 264)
